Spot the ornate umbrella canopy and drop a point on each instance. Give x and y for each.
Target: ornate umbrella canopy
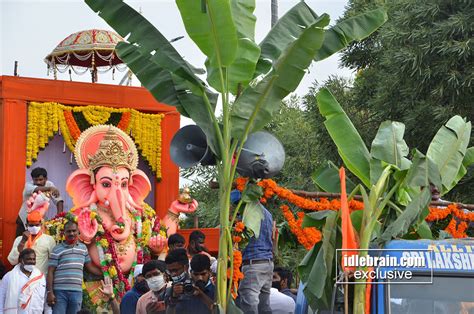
(92, 49)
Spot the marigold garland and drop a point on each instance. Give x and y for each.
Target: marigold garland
(237, 275)
(45, 119)
(307, 237)
(459, 222)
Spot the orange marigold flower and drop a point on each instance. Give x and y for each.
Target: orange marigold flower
(239, 226)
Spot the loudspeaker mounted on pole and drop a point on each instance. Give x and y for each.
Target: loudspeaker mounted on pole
(189, 148)
(262, 156)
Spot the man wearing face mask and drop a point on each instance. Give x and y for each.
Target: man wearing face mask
(140, 287)
(189, 296)
(153, 302)
(65, 272)
(33, 238)
(23, 288)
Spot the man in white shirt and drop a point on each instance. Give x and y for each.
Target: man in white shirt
(23, 288)
(40, 183)
(34, 238)
(281, 303)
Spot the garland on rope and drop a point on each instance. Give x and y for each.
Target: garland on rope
(46, 119)
(307, 237)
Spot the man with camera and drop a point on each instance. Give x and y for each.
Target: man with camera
(189, 293)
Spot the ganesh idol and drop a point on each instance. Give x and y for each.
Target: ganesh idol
(108, 193)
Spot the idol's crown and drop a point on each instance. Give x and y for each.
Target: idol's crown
(111, 153)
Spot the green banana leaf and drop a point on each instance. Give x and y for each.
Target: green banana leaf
(287, 28)
(255, 107)
(467, 161)
(350, 145)
(326, 177)
(316, 219)
(252, 217)
(388, 147)
(410, 215)
(317, 267)
(349, 30)
(448, 148)
(211, 26)
(172, 90)
(241, 71)
(422, 172)
(124, 20)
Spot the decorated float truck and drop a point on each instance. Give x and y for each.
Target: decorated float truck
(444, 285)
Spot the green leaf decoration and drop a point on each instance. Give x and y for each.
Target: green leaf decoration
(317, 267)
(410, 215)
(211, 27)
(288, 27)
(448, 148)
(326, 177)
(349, 30)
(252, 217)
(467, 161)
(124, 20)
(316, 219)
(350, 145)
(252, 193)
(241, 71)
(255, 107)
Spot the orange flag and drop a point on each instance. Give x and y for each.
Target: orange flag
(349, 241)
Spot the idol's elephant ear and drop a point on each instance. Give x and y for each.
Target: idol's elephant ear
(81, 190)
(139, 188)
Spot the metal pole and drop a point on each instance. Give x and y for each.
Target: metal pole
(15, 69)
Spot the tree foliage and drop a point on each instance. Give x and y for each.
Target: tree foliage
(417, 69)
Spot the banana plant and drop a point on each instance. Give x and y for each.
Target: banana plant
(399, 193)
(253, 77)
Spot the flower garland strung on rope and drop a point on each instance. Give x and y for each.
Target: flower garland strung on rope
(46, 119)
(459, 221)
(307, 237)
(271, 188)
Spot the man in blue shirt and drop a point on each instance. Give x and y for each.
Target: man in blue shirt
(140, 287)
(257, 267)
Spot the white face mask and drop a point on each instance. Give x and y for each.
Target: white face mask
(156, 283)
(34, 229)
(28, 267)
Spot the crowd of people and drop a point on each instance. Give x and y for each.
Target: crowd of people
(47, 277)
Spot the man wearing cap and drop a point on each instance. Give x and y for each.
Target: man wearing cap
(130, 299)
(33, 238)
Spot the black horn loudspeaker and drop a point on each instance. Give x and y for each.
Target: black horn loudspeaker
(189, 147)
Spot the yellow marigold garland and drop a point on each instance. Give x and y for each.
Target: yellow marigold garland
(45, 119)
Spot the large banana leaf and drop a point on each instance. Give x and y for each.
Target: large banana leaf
(241, 71)
(467, 161)
(317, 268)
(349, 30)
(350, 145)
(210, 25)
(252, 217)
(173, 90)
(408, 217)
(288, 27)
(448, 148)
(388, 147)
(255, 107)
(126, 21)
(326, 177)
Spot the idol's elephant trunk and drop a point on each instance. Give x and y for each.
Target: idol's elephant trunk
(117, 204)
